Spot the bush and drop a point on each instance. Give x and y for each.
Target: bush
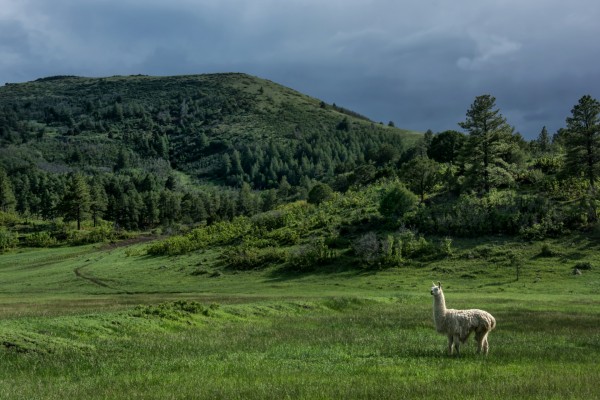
(397, 201)
(243, 258)
(307, 257)
(40, 239)
(394, 249)
(270, 220)
(8, 219)
(367, 248)
(446, 247)
(284, 236)
(246, 257)
(547, 251)
(8, 239)
(172, 246)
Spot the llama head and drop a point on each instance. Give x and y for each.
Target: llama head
(436, 290)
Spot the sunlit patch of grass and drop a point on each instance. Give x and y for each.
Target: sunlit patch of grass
(342, 348)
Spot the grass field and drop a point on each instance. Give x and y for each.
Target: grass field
(102, 322)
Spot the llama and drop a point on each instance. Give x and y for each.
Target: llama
(458, 324)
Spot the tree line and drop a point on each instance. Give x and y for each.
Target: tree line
(451, 173)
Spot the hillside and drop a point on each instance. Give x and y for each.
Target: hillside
(224, 128)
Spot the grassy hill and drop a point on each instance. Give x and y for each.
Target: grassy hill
(188, 123)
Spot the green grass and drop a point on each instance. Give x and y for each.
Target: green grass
(271, 334)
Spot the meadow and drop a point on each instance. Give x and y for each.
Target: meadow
(105, 322)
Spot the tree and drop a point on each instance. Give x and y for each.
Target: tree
(446, 146)
(284, 188)
(269, 201)
(75, 203)
(245, 200)
(488, 140)
(319, 193)
(7, 196)
(582, 140)
(170, 207)
(543, 141)
(421, 174)
(123, 160)
(98, 201)
(397, 201)
(384, 154)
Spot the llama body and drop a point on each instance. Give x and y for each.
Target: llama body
(457, 325)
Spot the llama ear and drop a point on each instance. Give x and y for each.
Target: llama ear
(439, 285)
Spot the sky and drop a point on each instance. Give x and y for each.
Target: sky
(418, 63)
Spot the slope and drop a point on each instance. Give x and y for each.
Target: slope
(226, 128)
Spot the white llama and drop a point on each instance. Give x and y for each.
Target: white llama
(458, 324)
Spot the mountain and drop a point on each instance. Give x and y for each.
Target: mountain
(220, 128)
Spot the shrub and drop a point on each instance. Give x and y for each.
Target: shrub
(307, 257)
(40, 239)
(367, 248)
(270, 220)
(172, 246)
(284, 236)
(246, 257)
(547, 227)
(394, 249)
(397, 201)
(547, 251)
(8, 239)
(243, 257)
(8, 219)
(414, 245)
(446, 247)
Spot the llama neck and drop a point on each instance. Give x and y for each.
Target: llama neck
(439, 308)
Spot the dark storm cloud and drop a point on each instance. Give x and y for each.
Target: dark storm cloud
(418, 63)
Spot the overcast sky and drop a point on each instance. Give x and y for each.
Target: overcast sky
(419, 63)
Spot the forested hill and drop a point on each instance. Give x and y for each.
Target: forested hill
(224, 128)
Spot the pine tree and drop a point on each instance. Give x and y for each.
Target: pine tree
(75, 203)
(98, 201)
(7, 196)
(582, 140)
(543, 141)
(489, 135)
(245, 201)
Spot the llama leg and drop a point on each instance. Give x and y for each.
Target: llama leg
(450, 339)
(486, 346)
(479, 337)
(457, 344)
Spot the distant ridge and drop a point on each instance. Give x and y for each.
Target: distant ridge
(196, 124)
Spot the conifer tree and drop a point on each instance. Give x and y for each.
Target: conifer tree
(582, 140)
(7, 196)
(489, 135)
(98, 201)
(543, 141)
(75, 203)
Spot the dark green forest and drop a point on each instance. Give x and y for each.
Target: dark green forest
(92, 159)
